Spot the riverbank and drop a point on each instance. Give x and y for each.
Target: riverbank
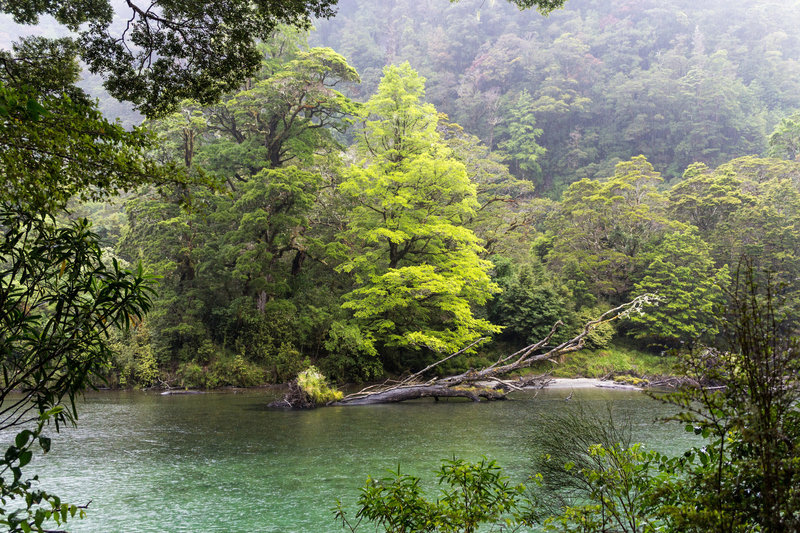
(588, 383)
(609, 362)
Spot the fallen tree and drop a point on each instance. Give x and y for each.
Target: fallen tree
(489, 382)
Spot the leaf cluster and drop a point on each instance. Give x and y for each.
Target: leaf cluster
(474, 494)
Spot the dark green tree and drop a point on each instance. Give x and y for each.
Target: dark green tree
(681, 273)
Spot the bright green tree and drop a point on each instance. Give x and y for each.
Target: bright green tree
(417, 268)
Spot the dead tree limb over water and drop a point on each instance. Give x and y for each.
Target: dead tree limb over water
(488, 382)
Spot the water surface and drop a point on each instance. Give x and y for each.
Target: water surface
(226, 462)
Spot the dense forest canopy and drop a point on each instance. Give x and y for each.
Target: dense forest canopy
(596, 82)
(645, 125)
(572, 162)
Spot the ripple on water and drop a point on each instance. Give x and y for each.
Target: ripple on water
(222, 462)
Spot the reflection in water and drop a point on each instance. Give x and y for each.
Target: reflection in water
(224, 462)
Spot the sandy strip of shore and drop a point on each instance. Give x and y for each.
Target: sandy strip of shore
(586, 383)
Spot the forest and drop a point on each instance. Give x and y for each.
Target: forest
(565, 201)
(357, 197)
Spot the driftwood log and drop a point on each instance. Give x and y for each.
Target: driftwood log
(488, 382)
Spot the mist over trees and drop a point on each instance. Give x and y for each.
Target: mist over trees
(575, 161)
(375, 236)
(595, 83)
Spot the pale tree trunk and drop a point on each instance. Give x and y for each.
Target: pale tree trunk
(488, 382)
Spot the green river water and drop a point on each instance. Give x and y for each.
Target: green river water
(226, 462)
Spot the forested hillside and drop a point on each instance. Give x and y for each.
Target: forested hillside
(546, 168)
(430, 194)
(570, 95)
(357, 227)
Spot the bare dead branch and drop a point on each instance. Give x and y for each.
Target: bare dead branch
(487, 382)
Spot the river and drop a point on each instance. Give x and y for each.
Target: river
(225, 462)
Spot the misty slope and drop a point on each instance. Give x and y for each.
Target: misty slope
(677, 81)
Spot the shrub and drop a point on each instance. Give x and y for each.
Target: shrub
(315, 386)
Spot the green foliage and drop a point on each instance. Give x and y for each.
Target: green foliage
(133, 357)
(532, 301)
(351, 354)
(476, 494)
(748, 473)
(744, 476)
(25, 507)
(287, 114)
(237, 371)
(689, 289)
(40, 143)
(192, 375)
(234, 265)
(706, 199)
(784, 142)
(59, 304)
(520, 143)
(605, 225)
(267, 338)
(679, 83)
(315, 385)
(220, 370)
(418, 269)
(620, 488)
(180, 51)
(600, 363)
(542, 6)
(600, 337)
(502, 216)
(748, 206)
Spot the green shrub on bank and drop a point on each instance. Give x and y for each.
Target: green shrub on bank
(316, 387)
(133, 360)
(224, 371)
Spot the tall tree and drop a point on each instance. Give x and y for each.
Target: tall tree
(605, 225)
(417, 267)
(681, 272)
(520, 139)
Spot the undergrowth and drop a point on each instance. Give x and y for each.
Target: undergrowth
(608, 362)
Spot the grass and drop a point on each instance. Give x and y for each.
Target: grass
(609, 361)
